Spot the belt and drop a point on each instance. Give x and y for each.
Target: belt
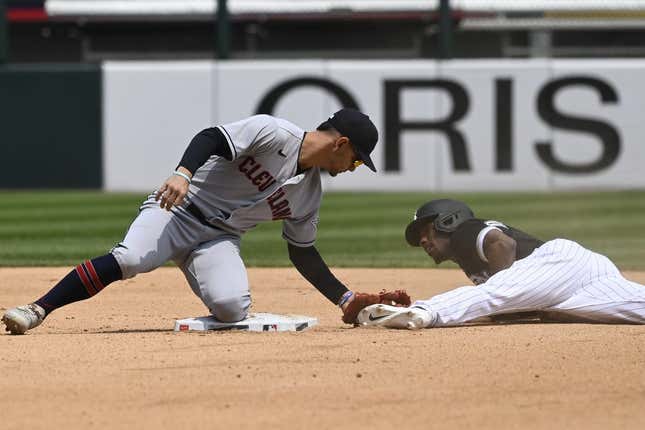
(194, 211)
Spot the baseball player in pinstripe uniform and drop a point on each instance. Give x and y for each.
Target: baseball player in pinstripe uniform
(516, 276)
(230, 178)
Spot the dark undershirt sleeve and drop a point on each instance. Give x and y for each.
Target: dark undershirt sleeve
(205, 144)
(464, 240)
(313, 268)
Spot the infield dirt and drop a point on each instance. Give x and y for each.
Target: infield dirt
(114, 362)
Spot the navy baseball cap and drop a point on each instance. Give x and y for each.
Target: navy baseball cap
(359, 129)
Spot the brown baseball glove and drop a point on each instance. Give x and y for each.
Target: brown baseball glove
(362, 300)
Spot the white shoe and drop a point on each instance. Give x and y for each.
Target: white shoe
(19, 320)
(395, 317)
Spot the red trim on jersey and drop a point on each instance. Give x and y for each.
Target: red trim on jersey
(95, 277)
(27, 14)
(85, 280)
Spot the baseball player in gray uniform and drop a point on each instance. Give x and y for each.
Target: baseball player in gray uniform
(516, 275)
(230, 178)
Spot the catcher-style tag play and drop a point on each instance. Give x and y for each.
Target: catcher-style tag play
(259, 321)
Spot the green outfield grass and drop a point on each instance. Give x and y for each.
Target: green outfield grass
(61, 228)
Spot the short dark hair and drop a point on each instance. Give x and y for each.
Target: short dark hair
(326, 126)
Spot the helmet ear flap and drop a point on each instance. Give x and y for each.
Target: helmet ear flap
(447, 222)
(445, 215)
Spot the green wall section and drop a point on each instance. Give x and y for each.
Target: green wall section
(50, 126)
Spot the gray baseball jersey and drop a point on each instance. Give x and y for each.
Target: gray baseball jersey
(260, 183)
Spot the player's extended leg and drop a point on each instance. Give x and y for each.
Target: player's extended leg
(85, 281)
(154, 237)
(217, 275)
(605, 297)
(551, 275)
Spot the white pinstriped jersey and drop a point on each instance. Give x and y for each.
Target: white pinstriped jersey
(261, 183)
(467, 243)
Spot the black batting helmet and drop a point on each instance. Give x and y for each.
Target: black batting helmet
(445, 214)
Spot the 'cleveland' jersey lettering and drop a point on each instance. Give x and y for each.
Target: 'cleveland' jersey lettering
(261, 182)
(279, 208)
(253, 171)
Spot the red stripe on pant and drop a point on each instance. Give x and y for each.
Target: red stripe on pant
(95, 277)
(85, 280)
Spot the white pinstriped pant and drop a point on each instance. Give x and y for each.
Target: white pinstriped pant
(560, 277)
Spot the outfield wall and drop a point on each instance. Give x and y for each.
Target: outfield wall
(445, 126)
(50, 126)
(458, 125)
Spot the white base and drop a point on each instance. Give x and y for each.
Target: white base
(259, 321)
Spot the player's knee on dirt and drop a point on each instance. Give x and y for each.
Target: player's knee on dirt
(231, 309)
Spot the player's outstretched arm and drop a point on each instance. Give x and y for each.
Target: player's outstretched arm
(314, 269)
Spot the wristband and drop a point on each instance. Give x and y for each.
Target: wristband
(183, 175)
(344, 298)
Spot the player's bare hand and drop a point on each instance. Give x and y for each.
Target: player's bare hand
(172, 192)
